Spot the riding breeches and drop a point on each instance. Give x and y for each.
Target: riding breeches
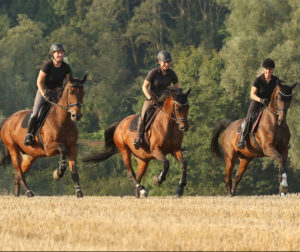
(146, 106)
(253, 108)
(39, 101)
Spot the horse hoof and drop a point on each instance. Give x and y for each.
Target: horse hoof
(156, 180)
(79, 194)
(282, 194)
(55, 175)
(29, 193)
(143, 193)
(179, 191)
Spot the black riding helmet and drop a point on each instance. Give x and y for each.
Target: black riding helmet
(56, 47)
(164, 56)
(268, 63)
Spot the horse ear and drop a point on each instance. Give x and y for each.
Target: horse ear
(84, 78)
(188, 92)
(294, 85)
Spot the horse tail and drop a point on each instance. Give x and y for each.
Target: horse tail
(109, 150)
(4, 153)
(218, 129)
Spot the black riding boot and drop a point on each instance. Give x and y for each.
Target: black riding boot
(32, 123)
(140, 130)
(244, 131)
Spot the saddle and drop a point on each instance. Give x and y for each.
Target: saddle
(42, 115)
(150, 116)
(253, 124)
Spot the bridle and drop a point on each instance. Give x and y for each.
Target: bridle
(277, 108)
(173, 115)
(68, 107)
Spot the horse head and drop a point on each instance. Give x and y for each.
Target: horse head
(281, 100)
(74, 92)
(180, 107)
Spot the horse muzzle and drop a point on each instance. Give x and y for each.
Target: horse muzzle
(183, 126)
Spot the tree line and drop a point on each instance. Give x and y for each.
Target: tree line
(217, 48)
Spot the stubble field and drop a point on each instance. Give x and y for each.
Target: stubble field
(156, 223)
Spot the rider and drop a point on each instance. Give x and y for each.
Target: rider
(49, 81)
(261, 93)
(156, 82)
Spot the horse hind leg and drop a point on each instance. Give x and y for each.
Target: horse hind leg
(229, 165)
(138, 188)
(142, 167)
(238, 176)
(63, 164)
(21, 168)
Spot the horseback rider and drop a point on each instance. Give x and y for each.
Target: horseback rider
(156, 82)
(261, 92)
(49, 81)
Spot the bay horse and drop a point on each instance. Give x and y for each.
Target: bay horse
(271, 139)
(59, 136)
(166, 135)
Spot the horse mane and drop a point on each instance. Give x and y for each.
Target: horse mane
(176, 93)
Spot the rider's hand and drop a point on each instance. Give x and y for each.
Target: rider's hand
(50, 96)
(264, 101)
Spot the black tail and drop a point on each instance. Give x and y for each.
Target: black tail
(218, 129)
(110, 147)
(4, 153)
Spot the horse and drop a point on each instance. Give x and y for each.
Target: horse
(58, 135)
(165, 137)
(271, 139)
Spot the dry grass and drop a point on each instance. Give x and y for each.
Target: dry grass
(156, 223)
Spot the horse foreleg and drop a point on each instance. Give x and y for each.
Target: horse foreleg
(270, 151)
(182, 183)
(163, 173)
(238, 176)
(72, 153)
(59, 173)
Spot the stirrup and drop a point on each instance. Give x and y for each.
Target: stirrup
(29, 139)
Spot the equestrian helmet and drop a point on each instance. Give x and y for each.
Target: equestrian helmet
(56, 47)
(164, 56)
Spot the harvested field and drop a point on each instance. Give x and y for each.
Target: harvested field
(156, 223)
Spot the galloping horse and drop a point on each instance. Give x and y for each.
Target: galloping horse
(271, 139)
(59, 136)
(166, 135)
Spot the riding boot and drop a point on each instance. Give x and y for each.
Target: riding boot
(244, 131)
(140, 130)
(31, 128)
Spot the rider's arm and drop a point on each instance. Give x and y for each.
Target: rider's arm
(177, 85)
(146, 86)
(253, 94)
(41, 82)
